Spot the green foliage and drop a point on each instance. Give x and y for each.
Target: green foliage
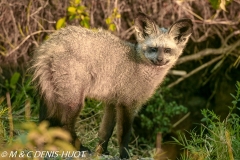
(13, 81)
(110, 20)
(75, 11)
(22, 95)
(216, 4)
(157, 114)
(40, 138)
(21, 89)
(61, 23)
(43, 137)
(3, 111)
(217, 140)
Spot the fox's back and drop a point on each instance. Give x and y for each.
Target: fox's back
(83, 43)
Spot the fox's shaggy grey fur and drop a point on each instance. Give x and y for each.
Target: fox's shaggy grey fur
(77, 63)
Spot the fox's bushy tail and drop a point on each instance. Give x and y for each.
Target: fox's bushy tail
(43, 80)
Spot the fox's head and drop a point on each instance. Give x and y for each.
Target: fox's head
(159, 46)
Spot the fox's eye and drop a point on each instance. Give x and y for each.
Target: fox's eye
(167, 50)
(153, 49)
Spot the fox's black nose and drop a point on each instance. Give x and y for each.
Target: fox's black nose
(159, 59)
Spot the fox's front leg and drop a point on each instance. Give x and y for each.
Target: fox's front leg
(106, 128)
(125, 117)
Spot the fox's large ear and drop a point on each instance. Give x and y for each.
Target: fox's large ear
(181, 30)
(144, 27)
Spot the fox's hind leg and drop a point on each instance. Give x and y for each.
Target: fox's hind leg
(64, 116)
(106, 128)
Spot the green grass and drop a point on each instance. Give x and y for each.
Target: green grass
(217, 140)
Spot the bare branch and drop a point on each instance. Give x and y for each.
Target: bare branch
(208, 51)
(221, 22)
(26, 38)
(195, 71)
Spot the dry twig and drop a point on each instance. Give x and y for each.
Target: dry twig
(195, 71)
(26, 38)
(209, 51)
